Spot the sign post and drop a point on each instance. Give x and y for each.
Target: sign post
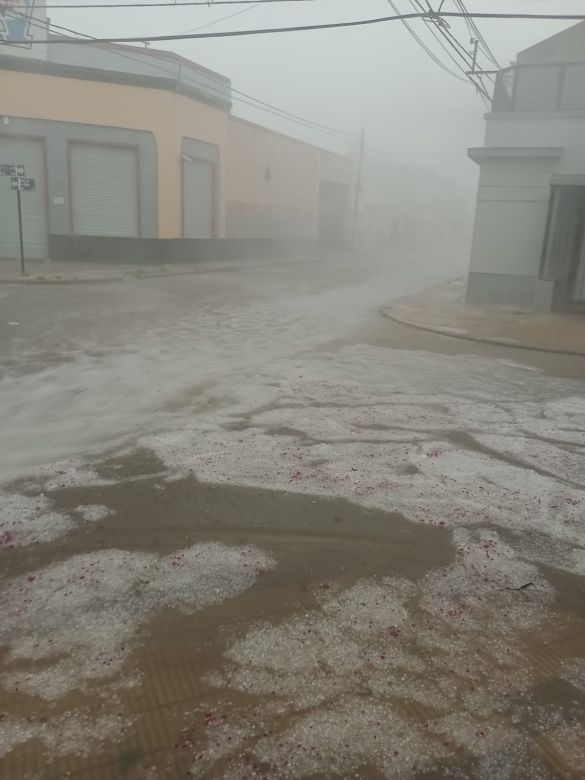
(18, 200)
(18, 183)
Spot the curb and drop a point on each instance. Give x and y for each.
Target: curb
(19, 281)
(477, 339)
(55, 282)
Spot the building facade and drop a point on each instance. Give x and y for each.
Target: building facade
(127, 142)
(529, 238)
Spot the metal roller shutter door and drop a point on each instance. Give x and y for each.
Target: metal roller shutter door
(34, 208)
(104, 190)
(197, 198)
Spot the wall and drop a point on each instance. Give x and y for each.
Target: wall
(167, 116)
(57, 136)
(534, 148)
(114, 62)
(566, 46)
(273, 183)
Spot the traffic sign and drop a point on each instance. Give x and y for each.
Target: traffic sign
(11, 169)
(18, 183)
(23, 184)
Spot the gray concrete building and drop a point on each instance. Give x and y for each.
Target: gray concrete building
(529, 238)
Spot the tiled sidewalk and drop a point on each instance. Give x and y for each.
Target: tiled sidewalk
(444, 310)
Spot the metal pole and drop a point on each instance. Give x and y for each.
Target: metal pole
(22, 268)
(358, 187)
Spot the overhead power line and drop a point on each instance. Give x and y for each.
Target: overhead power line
(309, 27)
(244, 10)
(457, 51)
(206, 3)
(423, 45)
(243, 97)
(475, 32)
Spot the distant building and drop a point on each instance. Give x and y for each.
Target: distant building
(134, 143)
(404, 207)
(528, 245)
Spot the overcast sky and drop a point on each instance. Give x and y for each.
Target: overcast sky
(376, 76)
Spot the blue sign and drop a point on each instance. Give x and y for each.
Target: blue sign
(15, 22)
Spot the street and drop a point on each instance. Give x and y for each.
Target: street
(249, 527)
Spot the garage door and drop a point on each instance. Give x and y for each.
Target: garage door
(197, 198)
(104, 190)
(34, 208)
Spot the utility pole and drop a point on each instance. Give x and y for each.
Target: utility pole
(475, 44)
(18, 200)
(358, 188)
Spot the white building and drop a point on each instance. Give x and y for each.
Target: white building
(529, 237)
(404, 207)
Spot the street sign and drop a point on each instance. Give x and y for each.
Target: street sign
(23, 184)
(11, 169)
(18, 183)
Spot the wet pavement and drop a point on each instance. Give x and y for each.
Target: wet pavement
(444, 310)
(318, 544)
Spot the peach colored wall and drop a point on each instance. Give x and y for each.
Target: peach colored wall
(168, 116)
(294, 166)
(292, 193)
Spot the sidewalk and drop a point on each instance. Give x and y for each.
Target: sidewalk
(75, 273)
(444, 311)
(84, 273)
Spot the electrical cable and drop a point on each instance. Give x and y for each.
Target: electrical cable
(324, 26)
(421, 43)
(475, 31)
(438, 38)
(206, 3)
(464, 56)
(257, 103)
(224, 18)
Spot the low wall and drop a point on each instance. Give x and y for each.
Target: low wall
(156, 251)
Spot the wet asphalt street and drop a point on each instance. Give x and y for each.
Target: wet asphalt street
(250, 528)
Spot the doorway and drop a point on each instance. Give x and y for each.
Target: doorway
(198, 198)
(577, 276)
(564, 248)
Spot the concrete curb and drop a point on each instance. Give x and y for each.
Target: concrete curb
(97, 279)
(217, 267)
(55, 282)
(386, 312)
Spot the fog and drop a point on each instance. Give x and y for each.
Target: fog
(292, 439)
(375, 77)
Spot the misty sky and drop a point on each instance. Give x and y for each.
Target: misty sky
(376, 76)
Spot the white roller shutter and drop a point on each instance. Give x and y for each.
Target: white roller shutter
(34, 208)
(104, 190)
(198, 178)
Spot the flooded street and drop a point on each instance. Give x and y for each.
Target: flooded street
(250, 528)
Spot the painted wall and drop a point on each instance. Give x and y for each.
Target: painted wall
(267, 185)
(167, 116)
(513, 201)
(527, 150)
(514, 192)
(566, 46)
(57, 137)
(273, 182)
(542, 129)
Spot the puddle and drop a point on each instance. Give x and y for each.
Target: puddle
(315, 542)
(355, 643)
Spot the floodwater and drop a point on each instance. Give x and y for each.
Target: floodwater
(316, 545)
